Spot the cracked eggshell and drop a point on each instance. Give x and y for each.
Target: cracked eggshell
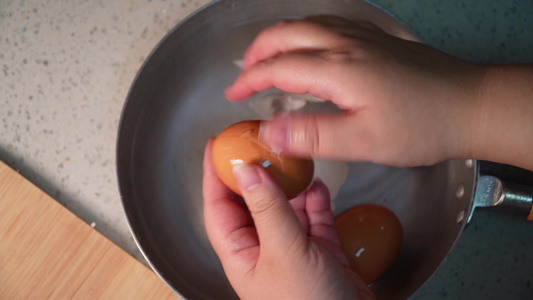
(239, 143)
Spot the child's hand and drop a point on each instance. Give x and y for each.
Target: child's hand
(404, 103)
(272, 248)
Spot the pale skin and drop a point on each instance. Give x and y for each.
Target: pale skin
(273, 248)
(404, 104)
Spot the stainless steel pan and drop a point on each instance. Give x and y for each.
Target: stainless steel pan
(176, 103)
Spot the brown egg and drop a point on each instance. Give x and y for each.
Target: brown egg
(370, 237)
(239, 143)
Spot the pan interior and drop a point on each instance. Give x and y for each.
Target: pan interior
(176, 103)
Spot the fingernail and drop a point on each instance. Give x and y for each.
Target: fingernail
(246, 176)
(276, 134)
(319, 186)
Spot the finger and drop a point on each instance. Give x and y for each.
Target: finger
(321, 221)
(319, 213)
(289, 35)
(226, 221)
(318, 32)
(295, 72)
(317, 135)
(298, 205)
(213, 188)
(278, 228)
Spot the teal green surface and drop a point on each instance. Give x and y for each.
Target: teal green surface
(481, 31)
(493, 258)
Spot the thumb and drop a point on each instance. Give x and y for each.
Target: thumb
(310, 135)
(275, 221)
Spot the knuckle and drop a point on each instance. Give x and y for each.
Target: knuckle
(307, 136)
(275, 30)
(282, 26)
(296, 26)
(353, 49)
(263, 203)
(267, 63)
(340, 56)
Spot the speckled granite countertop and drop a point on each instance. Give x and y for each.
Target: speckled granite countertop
(66, 67)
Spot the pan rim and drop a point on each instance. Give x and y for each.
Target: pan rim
(125, 188)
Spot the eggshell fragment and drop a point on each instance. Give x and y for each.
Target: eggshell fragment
(239, 143)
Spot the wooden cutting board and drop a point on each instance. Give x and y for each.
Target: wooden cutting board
(46, 252)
